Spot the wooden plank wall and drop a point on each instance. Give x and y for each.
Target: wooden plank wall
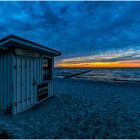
(27, 74)
(17, 74)
(5, 80)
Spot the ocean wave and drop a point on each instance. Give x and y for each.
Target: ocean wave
(118, 75)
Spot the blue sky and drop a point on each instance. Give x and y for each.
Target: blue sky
(82, 31)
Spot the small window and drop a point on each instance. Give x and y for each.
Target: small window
(47, 68)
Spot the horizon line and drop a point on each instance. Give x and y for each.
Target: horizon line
(96, 67)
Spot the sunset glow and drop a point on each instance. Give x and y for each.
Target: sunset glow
(134, 63)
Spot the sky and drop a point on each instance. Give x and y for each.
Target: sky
(89, 34)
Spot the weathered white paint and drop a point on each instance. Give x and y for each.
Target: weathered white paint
(27, 75)
(19, 77)
(21, 71)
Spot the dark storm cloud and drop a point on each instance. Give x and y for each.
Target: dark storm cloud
(78, 29)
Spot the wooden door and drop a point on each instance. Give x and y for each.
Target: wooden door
(26, 82)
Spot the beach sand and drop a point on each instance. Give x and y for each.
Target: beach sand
(81, 109)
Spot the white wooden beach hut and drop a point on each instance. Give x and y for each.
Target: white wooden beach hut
(26, 73)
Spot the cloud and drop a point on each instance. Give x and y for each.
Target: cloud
(109, 56)
(85, 30)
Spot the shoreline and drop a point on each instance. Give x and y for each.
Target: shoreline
(109, 81)
(115, 75)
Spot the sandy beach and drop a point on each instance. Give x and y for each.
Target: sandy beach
(81, 109)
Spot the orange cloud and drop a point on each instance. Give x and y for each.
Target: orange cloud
(131, 63)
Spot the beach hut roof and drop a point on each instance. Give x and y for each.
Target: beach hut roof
(13, 41)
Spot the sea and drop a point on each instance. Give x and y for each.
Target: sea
(100, 74)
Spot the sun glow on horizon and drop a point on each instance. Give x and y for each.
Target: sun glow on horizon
(116, 58)
(130, 63)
